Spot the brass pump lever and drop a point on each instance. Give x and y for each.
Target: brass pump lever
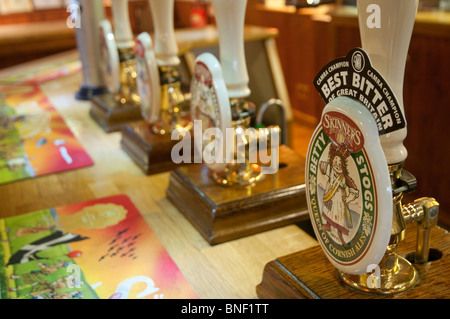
(424, 211)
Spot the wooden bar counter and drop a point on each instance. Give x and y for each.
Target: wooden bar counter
(231, 270)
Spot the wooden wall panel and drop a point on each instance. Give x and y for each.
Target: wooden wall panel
(426, 99)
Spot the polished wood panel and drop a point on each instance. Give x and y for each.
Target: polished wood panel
(111, 115)
(309, 274)
(224, 213)
(34, 16)
(151, 152)
(426, 98)
(25, 42)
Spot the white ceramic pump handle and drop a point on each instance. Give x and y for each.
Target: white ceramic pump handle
(122, 26)
(230, 19)
(386, 28)
(166, 47)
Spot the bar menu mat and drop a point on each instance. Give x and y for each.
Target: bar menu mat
(34, 138)
(43, 72)
(100, 249)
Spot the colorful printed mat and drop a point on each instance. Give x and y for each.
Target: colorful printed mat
(100, 249)
(44, 72)
(34, 138)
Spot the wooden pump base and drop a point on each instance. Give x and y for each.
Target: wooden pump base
(224, 213)
(308, 274)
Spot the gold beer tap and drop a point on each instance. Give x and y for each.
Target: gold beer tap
(423, 211)
(242, 171)
(128, 88)
(396, 273)
(356, 180)
(121, 103)
(174, 103)
(225, 146)
(127, 93)
(164, 105)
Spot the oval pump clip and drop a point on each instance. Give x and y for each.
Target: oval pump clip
(117, 53)
(159, 80)
(219, 105)
(354, 172)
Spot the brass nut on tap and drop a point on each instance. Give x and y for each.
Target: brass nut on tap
(431, 212)
(423, 210)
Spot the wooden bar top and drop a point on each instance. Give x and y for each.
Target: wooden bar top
(231, 270)
(188, 38)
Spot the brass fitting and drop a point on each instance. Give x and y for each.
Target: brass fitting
(128, 75)
(398, 222)
(396, 273)
(246, 171)
(424, 211)
(174, 103)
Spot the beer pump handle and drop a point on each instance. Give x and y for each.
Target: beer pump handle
(386, 28)
(230, 18)
(109, 57)
(122, 26)
(148, 82)
(87, 38)
(166, 47)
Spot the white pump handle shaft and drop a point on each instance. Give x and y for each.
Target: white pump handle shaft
(122, 26)
(230, 19)
(166, 47)
(386, 28)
